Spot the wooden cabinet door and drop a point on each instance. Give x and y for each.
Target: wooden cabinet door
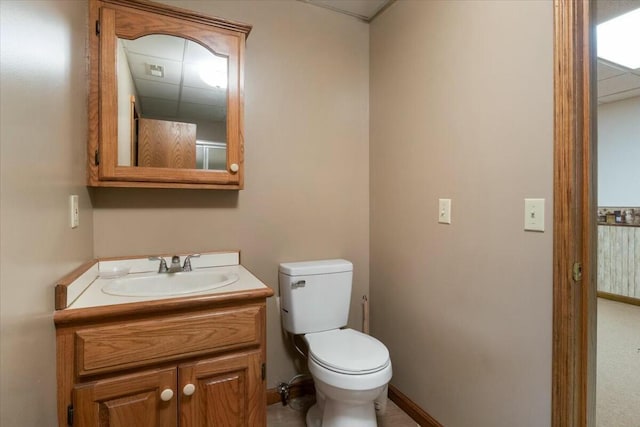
(127, 401)
(166, 144)
(229, 392)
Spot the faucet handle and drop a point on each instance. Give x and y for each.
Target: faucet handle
(187, 262)
(163, 264)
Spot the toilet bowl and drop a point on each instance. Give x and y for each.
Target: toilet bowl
(351, 370)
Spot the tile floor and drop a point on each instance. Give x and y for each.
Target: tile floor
(293, 415)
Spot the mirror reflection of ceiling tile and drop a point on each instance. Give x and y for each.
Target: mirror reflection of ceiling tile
(201, 112)
(139, 65)
(156, 89)
(157, 45)
(158, 107)
(181, 94)
(192, 77)
(205, 96)
(197, 53)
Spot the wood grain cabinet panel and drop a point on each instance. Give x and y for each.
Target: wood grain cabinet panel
(166, 144)
(108, 348)
(127, 401)
(112, 372)
(226, 392)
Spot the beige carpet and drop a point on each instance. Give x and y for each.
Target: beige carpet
(618, 361)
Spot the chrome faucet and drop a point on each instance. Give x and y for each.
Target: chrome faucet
(163, 264)
(187, 262)
(175, 263)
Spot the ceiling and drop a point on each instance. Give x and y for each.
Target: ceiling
(365, 10)
(616, 82)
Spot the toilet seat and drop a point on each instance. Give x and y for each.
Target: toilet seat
(347, 351)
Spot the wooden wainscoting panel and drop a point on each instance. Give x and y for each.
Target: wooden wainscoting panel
(619, 260)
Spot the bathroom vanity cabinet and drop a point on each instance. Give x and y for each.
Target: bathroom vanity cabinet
(192, 360)
(203, 367)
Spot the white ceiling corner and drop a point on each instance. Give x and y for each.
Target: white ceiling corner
(361, 9)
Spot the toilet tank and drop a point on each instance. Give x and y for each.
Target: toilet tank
(315, 295)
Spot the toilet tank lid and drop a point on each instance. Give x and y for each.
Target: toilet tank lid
(325, 266)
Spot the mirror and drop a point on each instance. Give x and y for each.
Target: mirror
(166, 97)
(172, 97)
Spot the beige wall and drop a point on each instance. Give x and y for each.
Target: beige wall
(461, 108)
(42, 133)
(307, 170)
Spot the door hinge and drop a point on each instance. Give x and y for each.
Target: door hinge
(97, 158)
(70, 415)
(97, 27)
(577, 271)
(264, 371)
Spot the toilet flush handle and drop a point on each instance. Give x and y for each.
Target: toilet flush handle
(298, 284)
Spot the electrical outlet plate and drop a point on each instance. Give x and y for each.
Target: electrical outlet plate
(444, 211)
(534, 214)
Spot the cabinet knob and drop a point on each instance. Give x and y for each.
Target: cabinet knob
(189, 389)
(234, 167)
(166, 395)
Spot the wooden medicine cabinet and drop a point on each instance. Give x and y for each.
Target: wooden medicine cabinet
(165, 97)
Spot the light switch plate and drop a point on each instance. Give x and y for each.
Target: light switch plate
(534, 214)
(74, 212)
(444, 211)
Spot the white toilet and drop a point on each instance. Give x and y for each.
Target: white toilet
(350, 369)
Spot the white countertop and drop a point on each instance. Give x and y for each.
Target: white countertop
(87, 292)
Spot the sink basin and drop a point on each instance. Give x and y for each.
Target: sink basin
(165, 284)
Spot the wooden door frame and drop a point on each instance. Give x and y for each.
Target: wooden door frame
(574, 240)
